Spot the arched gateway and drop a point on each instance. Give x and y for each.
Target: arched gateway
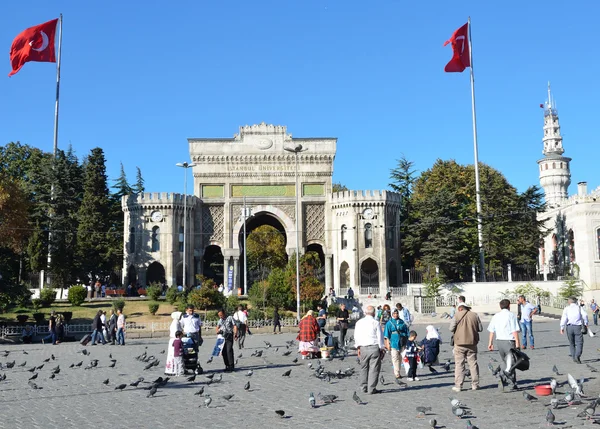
(254, 170)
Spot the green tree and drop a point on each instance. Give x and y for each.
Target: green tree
(311, 289)
(93, 249)
(37, 249)
(121, 185)
(266, 250)
(402, 181)
(138, 187)
(338, 187)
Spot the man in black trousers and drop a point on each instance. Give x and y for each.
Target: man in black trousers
(227, 328)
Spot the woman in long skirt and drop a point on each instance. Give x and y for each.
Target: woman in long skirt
(175, 326)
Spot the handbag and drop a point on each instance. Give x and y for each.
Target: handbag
(336, 327)
(584, 329)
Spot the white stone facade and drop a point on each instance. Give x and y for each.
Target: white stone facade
(254, 168)
(573, 244)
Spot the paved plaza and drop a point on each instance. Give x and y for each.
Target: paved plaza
(77, 397)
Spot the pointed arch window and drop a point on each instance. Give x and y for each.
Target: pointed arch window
(343, 235)
(156, 239)
(131, 240)
(368, 235)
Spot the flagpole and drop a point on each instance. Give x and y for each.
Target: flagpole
(55, 150)
(476, 152)
(57, 85)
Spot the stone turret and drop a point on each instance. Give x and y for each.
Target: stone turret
(555, 173)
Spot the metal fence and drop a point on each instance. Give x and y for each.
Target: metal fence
(83, 328)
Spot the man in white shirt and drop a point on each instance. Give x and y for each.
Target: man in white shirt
(369, 342)
(191, 324)
(573, 319)
(241, 321)
(506, 327)
(525, 316)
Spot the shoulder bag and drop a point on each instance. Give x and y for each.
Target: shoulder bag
(583, 326)
(457, 325)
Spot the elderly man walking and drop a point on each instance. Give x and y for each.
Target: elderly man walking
(506, 327)
(573, 320)
(466, 327)
(369, 342)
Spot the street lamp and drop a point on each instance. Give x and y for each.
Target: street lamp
(408, 271)
(296, 150)
(185, 166)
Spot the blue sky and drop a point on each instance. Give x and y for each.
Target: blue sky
(140, 77)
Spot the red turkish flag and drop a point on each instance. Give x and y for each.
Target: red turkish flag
(460, 47)
(33, 44)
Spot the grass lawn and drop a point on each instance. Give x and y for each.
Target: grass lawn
(135, 310)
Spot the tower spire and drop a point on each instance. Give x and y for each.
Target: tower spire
(555, 174)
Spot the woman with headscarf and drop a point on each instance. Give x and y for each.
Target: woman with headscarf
(307, 337)
(431, 347)
(175, 326)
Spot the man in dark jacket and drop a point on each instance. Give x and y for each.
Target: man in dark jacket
(97, 327)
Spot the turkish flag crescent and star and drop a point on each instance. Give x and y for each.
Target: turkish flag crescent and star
(34, 44)
(460, 47)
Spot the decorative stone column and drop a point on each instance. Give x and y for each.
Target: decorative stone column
(236, 275)
(226, 260)
(328, 276)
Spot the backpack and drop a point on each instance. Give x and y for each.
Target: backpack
(329, 341)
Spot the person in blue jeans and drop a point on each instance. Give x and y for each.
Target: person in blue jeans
(595, 309)
(51, 329)
(525, 315)
(97, 327)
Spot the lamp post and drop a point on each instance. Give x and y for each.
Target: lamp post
(185, 166)
(408, 271)
(296, 150)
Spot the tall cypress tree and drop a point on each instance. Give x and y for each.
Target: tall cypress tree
(121, 185)
(138, 188)
(117, 223)
(93, 245)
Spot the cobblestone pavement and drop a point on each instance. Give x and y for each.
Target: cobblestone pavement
(77, 397)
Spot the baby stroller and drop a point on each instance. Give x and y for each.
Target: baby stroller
(190, 356)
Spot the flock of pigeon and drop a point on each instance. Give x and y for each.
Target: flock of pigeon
(571, 396)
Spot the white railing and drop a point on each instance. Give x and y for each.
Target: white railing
(12, 330)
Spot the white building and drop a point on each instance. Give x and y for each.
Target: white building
(354, 232)
(573, 245)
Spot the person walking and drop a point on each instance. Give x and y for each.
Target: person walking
(227, 328)
(241, 321)
(97, 328)
(465, 327)
(342, 319)
(112, 327)
(386, 315)
(191, 324)
(404, 314)
(120, 327)
(525, 317)
(322, 319)
(395, 334)
(572, 321)
(276, 320)
(369, 343)
(411, 352)
(505, 326)
(595, 310)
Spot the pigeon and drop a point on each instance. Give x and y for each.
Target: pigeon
(120, 387)
(553, 385)
(576, 386)
(529, 397)
(210, 376)
(327, 399)
(106, 381)
(287, 373)
(25, 353)
(289, 352)
(152, 391)
(162, 352)
(259, 353)
(52, 356)
(52, 376)
(228, 397)
(72, 365)
(356, 398)
(267, 344)
(240, 356)
(23, 364)
(446, 366)
(34, 376)
(280, 413)
(192, 378)
(382, 380)
(56, 370)
(112, 365)
(554, 402)
(401, 383)
(150, 365)
(33, 385)
(471, 425)
(458, 412)
(207, 401)
(421, 411)
(218, 379)
(78, 364)
(46, 360)
(433, 423)
(32, 369)
(135, 383)
(200, 391)
(455, 403)
(85, 352)
(209, 360)
(591, 368)
(555, 370)
(311, 400)
(9, 365)
(247, 386)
